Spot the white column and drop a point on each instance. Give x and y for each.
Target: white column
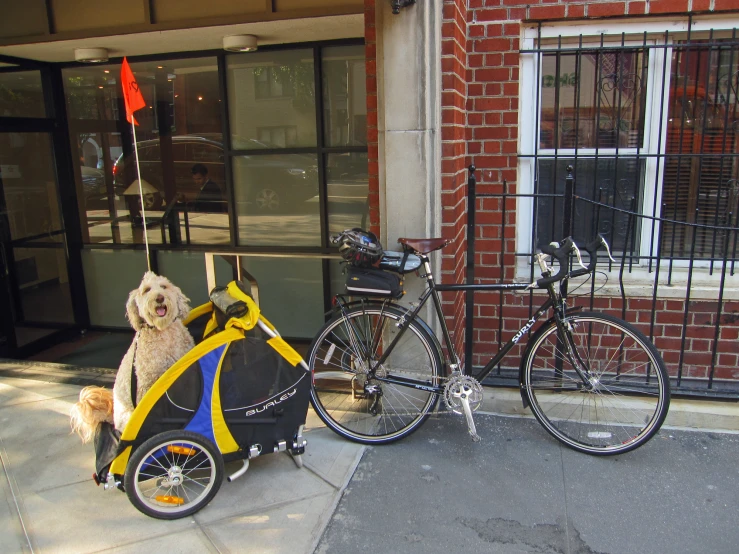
(409, 124)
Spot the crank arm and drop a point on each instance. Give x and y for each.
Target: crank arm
(464, 399)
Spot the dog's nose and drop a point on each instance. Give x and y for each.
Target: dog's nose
(160, 299)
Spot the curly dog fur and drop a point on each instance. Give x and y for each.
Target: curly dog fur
(155, 310)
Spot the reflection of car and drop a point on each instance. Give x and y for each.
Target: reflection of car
(270, 181)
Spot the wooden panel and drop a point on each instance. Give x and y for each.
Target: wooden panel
(25, 18)
(78, 15)
(294, 5)
(164, 11)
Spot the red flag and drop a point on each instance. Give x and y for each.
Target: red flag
(131, 93)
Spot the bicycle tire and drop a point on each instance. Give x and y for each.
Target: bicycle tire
(630, 393)
(173, 474)
(338, 365)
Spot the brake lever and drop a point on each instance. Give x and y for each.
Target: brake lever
(608, 249)
(579, 256)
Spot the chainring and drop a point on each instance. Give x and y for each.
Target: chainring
(459, 385)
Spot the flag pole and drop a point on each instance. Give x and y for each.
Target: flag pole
(133, 101)
(141, 193)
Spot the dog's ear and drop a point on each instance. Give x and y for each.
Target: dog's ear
(132, 311)
(183, 304)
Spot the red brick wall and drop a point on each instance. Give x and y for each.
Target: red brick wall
(370, 54)
(454, 163)
(485, 132)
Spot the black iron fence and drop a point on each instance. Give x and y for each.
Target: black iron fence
(696, 331)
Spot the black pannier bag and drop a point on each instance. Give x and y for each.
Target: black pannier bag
(373, 282)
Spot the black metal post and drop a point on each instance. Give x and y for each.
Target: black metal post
(569, 201)
(470, 273)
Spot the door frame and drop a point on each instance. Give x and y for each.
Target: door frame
(56, 125)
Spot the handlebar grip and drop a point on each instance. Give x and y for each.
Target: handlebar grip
(562, 255)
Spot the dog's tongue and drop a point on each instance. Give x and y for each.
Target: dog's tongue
(161, 311)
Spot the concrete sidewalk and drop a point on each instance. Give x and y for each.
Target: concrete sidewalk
(52, 504)
(435, 491)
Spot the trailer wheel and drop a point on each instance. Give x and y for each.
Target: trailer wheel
(173, 474)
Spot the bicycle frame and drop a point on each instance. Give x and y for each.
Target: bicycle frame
(432, 291)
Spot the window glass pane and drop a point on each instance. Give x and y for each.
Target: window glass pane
(290, 293)
(180, 149)
(21, 94)
(347, 186)
(92, 92)
(187, 271)
(272, 99)
(109, 276)
(103, 212)
(43, 282)
(700, 171)
(277, 199)
(594, 99)
(617, 183)
(344, 96)
(29, 184)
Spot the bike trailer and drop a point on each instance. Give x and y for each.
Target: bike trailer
(242, 391)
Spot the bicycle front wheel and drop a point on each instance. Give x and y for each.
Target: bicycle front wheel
(353, 403)
(624, 397)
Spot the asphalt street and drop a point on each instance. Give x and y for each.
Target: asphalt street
(519, 491)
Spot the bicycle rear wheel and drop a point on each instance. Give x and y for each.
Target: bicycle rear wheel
(363, 409)
(627, 393)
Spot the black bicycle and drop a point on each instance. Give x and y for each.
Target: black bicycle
(595, 382)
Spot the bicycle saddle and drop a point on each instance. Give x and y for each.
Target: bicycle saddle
(424, 246)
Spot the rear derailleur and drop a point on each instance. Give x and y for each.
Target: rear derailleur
(363, 388)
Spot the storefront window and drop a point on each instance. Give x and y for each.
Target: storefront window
(277, 200)
(344, 96)
(92, 92)
(286, 187)
(21, 94)
(346, 188)
(272, 100)
(180, 153)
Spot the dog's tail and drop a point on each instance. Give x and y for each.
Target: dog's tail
(93, 408)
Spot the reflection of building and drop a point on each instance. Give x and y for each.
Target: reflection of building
(349, 115)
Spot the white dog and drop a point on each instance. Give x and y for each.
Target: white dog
(155, 310)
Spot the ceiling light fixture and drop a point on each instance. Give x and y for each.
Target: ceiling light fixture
(240, 43)
(91, 55)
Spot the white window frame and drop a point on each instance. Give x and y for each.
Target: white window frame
(529, 130)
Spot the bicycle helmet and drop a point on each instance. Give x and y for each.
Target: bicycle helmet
(358, 247)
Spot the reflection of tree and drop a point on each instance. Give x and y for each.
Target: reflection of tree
(81, 98)
(296, 80)
(17, 99)
(85, 100)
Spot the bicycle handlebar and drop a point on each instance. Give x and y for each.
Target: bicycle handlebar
(562, 255)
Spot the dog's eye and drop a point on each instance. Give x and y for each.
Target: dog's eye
(147, 289)
(164, 286)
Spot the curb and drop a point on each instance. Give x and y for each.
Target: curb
(703, 415)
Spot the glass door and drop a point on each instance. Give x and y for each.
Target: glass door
(35, 295)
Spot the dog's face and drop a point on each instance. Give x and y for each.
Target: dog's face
(157, 303)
